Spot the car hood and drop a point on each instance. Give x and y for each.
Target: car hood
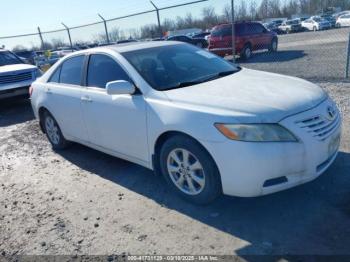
(14, 68)
(251, 96)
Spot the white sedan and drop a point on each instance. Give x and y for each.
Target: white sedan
(316, 23)
(208, 126)
(343, 20)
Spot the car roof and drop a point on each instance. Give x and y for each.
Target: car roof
(131, 46)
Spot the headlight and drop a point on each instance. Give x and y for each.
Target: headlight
(256, 132)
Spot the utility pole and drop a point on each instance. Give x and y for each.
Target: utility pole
(70, 39)
(41, 39)
(233, 32)
(158, 18)
(106, 29)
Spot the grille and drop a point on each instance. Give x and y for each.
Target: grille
(320, 127)
(8, 79)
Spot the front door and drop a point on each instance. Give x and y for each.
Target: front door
(115, 122)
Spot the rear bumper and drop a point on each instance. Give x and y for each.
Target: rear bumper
(224, 51)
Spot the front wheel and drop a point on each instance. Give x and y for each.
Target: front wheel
(189, 170)
(314, 29)
(53, 132)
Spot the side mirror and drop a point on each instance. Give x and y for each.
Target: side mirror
(120, 87)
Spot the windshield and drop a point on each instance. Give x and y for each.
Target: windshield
(317, 19)
(175, 66)
(8, 58)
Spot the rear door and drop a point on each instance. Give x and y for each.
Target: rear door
(253, 36)
(63, 93)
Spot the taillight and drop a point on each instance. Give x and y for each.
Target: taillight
(31, 90)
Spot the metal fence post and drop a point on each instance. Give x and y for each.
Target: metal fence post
(106, 29)
(233, 31)
(347, 59)
(41, 38)
(70, 39)
(158, 18)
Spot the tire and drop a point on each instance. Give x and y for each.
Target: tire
(314, 29)
(200, 184)
(247, 52)
(337, 25)
(53, 132)
(274, 45)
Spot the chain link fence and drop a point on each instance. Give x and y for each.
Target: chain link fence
(320, 55)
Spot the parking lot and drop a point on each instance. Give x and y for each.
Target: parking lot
(81, 201)
(312, 55)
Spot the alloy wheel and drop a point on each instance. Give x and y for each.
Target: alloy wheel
(186, 171)
(52, 130)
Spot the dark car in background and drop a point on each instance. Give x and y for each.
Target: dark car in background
(274, 28)
(199, 42)
(331, 19)
(28, 56)
(249, 36)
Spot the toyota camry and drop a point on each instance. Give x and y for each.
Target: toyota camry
(207, 125)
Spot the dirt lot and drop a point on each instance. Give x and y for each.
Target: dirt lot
(80, 201)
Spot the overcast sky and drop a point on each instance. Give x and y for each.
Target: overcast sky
(22, 17)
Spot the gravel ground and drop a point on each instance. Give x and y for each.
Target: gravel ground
(81, 201)
(320, 55)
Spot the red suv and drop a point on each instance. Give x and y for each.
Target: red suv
(249, 36)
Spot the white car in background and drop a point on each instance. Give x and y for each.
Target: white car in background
(343, 21)
(15, 75)
(208, 126)
(316, 23)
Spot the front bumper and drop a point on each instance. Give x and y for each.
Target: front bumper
(14, 92)
(253, 169)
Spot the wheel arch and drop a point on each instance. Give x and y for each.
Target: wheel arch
(162, 138)
(41, 113)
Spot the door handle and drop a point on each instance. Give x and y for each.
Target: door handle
(86, 99)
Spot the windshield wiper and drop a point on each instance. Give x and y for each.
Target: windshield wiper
(202, 79)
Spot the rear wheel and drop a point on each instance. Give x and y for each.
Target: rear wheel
(189, 170)
(247, 52)
(53, 132)
(274, 45)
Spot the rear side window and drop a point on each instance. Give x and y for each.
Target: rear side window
(71, 70)
(103, 69)
(255, 29)
(222, 31)
(55, 77)
(226, 30)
